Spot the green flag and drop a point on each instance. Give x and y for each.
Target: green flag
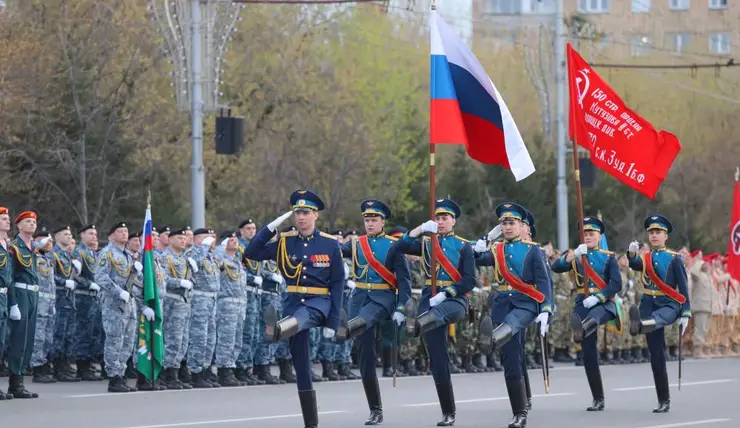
(150, 346)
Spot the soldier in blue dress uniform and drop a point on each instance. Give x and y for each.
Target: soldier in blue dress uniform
(664, 301)
(311, 263)
(595, 306)
(383, 286)
(524, 297)
(455, 278)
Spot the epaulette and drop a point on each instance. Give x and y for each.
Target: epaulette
(326, 235)
(606, 252)
(524, 241)
(291, 233)
(391, 238)
(462, 239)
(671, 252)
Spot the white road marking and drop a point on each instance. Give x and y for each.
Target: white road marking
(686, 424)
(704, 382)
(230, 421)
(481, 400)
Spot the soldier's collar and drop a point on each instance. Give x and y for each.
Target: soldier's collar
(377, 235)
(309, 237)
(445, 235)
(658, 248)
(517, 239)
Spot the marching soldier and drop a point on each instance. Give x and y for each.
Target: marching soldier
(524, 298)
(115, 274)
(44, 340)
(177, 300)
(311, 263)
(86, 302)
(23, 303)
(456, 278)
(203, 306)
(64, 325)
(665, 299)
(382, 287)
(595, 306)
(164, 241)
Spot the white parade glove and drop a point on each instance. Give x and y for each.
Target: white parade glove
(581, 250)
(224, 242)
(634, 247)
(590, 301)
(193, 265)
(542, 319)
(44, 241)
(276, 277)
(148, 313)
(329, 333)
(77, 265)
(429, 226)
(631, 283)
(257, 280)
(683, 322)
(481, 246)
(494, 233)
(437, 299)
(138, 266)
(69, 284)
(94, 287)
(186, 284)
(208, 241)
(123, 295)
(351, 284)
(618, 300)
(15, 313)
(278, 221)
(346, 272)
(398, 318)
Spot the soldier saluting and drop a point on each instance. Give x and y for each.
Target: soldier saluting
(665, 299)
(595, 306)
(311, 263)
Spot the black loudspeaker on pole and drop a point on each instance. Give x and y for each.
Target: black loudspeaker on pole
(229, 134)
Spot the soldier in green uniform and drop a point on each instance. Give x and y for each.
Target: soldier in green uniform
(411, 350)
(6, 279)
(560, 330)
(23, 301)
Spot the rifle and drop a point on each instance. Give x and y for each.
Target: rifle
(680, 353)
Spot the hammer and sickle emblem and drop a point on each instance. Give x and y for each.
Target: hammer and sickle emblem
(582, 90)
(735, 239)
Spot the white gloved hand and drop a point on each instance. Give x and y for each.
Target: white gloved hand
(543, 318)
(123, 295)
(278, 221)
(44, 241)
(138, 266)
(581, 250)
(224, 242)
(590, 301)
(481, 246)
(346, 271)
(193, 265)
(398, 318)
(257, 280)
(329, 333)
(683, 322)
(437, 299)
(77, 265)
(148, 313)
(429, 226)
(633, 247)
(186, 284)
(276, 277)
(15, 313)
(494, 233)
(351, 284)
(631, 283)
(69, 284)
(208, 241)
(94, 287)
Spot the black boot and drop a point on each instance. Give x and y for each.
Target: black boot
(85, 371)
(198, 381)
(171, 379)
(17, 389)
(309, 408)
(597, 389)
(478, 363)
(673, 353)
(386, 358)
(356, 327)
(40, 375)
(527, 389)
(240, 375)
(422, 324)
(493, 363)
(315, 377)
(606, 359)
(467, 364)
(143, 384)
(410, 368)
(3, 367)
(627, 356)
(446, 397)
(183, 375)
(117, 384)
(211, 378)
(278, 330)
(62, 371)
(617, 357)
(372, 393)
(664, 395)
(579, 358)
(328, 371)
(251, 378)
(286, 371)
(490, 339)
(531, 364)
(226, 377)
(518, 400)
(345, 372)
(264, 374)
(583, 328)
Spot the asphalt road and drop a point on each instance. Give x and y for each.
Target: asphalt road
(709, 397)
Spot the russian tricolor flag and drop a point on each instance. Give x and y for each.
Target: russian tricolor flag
(466, 107)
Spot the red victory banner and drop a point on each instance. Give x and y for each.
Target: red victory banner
(620, 141)
(733, 252)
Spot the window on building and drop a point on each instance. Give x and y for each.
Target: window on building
(678, 4)
(679, 42)
(593, 6)
(719, 43)
(505, 7)
(718, 4)
(640, 6)
(640, 45)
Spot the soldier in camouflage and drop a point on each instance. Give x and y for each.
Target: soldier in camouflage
(44, 337)
(251, 334)
(64, 325)
(86, 302)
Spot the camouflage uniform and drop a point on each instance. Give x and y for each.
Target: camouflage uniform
(560, 330)
(411, 348)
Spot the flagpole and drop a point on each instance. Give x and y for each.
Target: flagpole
(151, 322)
(579, 204)
(432, 196)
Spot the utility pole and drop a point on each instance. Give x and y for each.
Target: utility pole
(560, 88)
(197, 170)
